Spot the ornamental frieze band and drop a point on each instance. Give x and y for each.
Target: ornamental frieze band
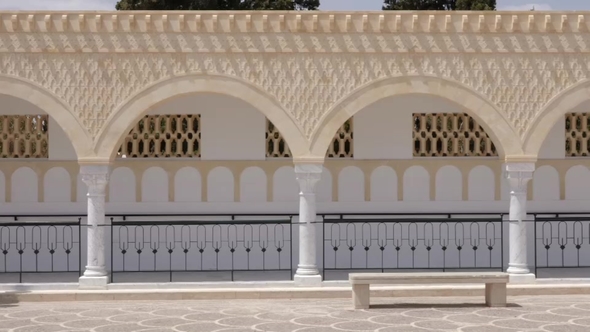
(311, 64)
(272, 32)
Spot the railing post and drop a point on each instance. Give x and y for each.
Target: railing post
(308, 175)
(96, 177)
(518, 175)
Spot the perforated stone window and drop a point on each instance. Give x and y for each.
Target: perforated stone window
(164, 136)
(450, 135)
(577, 135)
(24, 136)
(342, 144)
(276, 146)
(341, 147)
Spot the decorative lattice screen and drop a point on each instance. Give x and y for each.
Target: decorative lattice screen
(450, 135)
(164, 136)
(341, 146)
(24, 136)
(577, 134)
(276, 146)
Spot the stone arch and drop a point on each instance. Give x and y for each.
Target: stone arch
(557, 107)
(488, 116)
(127, 115)
(54, 107)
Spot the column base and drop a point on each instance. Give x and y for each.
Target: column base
(522, 278)
(98, 282)
(308, 280)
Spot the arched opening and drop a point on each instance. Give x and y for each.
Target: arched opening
(574, 99)
(463, 99)
(69, 137)
(123, 119)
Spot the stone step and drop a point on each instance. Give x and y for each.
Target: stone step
(152, 294)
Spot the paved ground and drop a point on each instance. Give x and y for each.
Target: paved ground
(570, 313)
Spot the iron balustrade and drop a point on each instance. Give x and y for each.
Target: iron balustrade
(39, 247)
(198, 246)
(562, 241)
(231, 244)
(412, 242)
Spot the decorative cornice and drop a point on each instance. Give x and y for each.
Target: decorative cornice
(294, 32)
(299, 22)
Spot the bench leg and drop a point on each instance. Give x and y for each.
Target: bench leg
(496, 295)
(360, 296)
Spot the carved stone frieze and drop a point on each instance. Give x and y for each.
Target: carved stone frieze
(307, 85)
(308, 62)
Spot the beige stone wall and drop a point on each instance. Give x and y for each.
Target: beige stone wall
(97, 73)
(337, 171)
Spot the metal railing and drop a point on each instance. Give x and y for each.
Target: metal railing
(412, 242)
(39, 247)
(207, 245)
(228, 247)
(562, 241)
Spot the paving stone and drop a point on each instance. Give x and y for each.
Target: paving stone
(531, 314)
(38, 328)
(279, 327)
(121, 317)
(198, 327)
(164, 322)
(120, 328)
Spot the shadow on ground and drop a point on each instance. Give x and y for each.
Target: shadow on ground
(9, 299)
(436, 305)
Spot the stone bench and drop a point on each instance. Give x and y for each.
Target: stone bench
(495, 282)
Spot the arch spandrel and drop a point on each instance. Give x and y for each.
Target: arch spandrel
(493, 120)
(54, 107)
(127, 115)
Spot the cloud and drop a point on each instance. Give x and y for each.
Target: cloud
(58, 5)
(537, 6)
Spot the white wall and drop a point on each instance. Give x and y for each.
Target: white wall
(187, 185)
(384, 129)
(554, 145)
(233, 129)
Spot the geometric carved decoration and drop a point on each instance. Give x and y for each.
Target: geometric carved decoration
(577, 134)
(24, 136)
(450, 135)
(341, 146)
(164, 136)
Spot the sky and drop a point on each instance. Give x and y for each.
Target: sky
(326, 4)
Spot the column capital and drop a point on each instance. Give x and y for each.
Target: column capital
(518, 175)
(96, 177)
(308, 176)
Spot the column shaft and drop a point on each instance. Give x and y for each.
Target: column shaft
(96, 178)
(308, 175)
(518, 175)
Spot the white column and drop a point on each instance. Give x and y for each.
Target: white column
(518, 176)
(96, 178)
(308, 176)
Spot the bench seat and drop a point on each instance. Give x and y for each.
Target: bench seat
(495, 289)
